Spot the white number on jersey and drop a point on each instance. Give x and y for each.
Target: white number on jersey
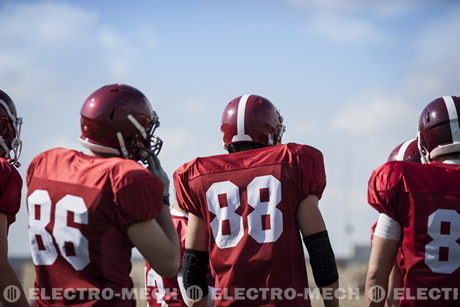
(39, 204)
(264, 210)
(155, 280)
(225, 214)
(447, 241)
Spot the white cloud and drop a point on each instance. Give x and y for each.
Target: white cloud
(345, 29)
(43, 24)
(437, 61)
(386, 8)
(47, 43)
(182, 144)
(301, 131)
(352, 21)
(376, 116)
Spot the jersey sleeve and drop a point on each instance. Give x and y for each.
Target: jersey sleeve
(383, 188)
(10, 191)
(312, 173)
(184, 193)
(32, 166)
(139, 199)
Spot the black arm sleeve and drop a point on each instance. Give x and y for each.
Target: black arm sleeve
(322, 258)
(195, 272)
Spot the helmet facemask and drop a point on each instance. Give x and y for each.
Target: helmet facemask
(16, 143)
(151, 144)
(281, 129)
(424, 154)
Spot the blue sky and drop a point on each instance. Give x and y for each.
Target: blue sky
(350, 77)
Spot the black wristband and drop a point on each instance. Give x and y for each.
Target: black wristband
(195, 272)
(322, 258)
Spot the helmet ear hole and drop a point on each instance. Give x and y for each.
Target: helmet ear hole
(130, 141)
(4, 129)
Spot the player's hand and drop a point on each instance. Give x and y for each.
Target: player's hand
(154, 166)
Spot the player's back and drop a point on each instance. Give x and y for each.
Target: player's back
(79, 209)
(425, 199)
(248, 201)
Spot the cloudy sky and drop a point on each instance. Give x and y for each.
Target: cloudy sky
(350, 77)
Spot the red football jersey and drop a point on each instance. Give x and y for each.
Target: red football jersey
(425, 200)
(10, 190)
(248, 201)
(79, 209)
(165, 291)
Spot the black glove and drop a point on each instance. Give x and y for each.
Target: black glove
(154, 166)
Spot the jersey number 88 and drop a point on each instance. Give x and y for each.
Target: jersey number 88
(229, 193)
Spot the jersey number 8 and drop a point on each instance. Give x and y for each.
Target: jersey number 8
(446, 241)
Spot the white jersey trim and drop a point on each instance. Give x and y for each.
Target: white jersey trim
(177, 213)
(99, 148)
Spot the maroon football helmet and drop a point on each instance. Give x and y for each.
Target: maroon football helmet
(406, 151)
(10, 130)
(117, 119)
(251, 118)
(438, 128)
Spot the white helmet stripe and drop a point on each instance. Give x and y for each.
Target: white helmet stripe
(402, 150)
(241, 132)
(453, 117)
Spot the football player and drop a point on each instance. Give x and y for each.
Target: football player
(246, 209)
(169, 291)
(406, 151)
(86, 212)
(10, 196)
(419, 213)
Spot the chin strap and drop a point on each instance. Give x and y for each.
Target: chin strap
(124, 151)
(424, 155)
(5, 147)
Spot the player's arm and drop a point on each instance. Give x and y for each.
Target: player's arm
(384, 248)
(8, 276)
(196, 259)
(165, 221)
(158, 242)
(395, 281)
(319, 248)
(380, 264)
